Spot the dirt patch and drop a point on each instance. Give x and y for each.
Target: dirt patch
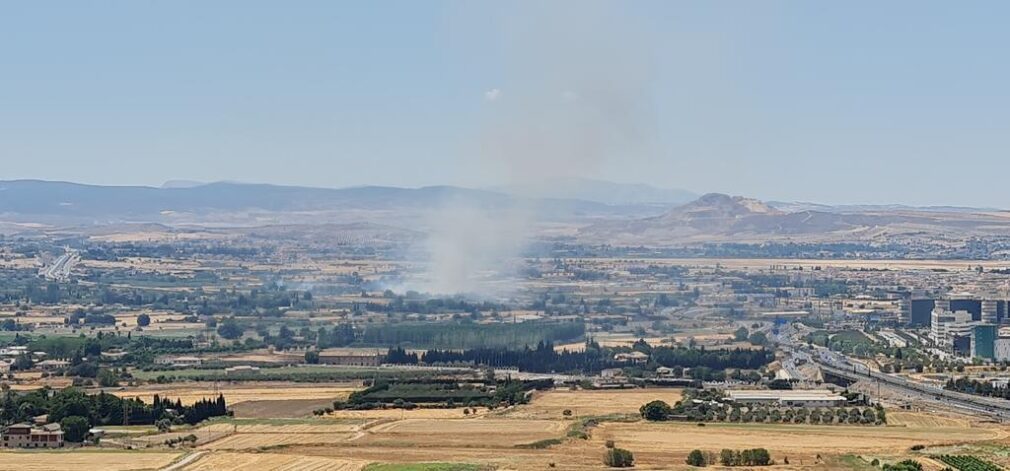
(282, 409)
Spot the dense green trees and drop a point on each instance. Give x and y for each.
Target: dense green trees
(399, 356)
(230, 329)
(341, 335)
(713, 359)
(542, 359)
(727, 457)
(906, 465)
(980, 388)
(102, 408)
(618, 458)
(696, 458)
(706, 405)
(107, 378)
(75, 428)
(753, 457)
(464, 335)
(655, 410)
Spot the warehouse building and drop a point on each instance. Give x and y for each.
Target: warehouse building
(787, 398)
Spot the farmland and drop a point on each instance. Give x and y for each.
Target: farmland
(226, 461)
(238, 393)
(500, 439)
(85, 460)
(340, 372)
(673, 441)
(552, 404)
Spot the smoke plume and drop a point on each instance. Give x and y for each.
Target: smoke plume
(574, 96)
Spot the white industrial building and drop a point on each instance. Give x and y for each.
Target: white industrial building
(787, 398)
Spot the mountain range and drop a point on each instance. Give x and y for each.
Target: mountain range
(241, 203)
(589, 211)
(722, 218)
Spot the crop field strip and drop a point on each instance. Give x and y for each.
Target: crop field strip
(253, 441)
(85, 460)
(229, 461)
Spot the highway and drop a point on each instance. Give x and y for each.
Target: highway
(60, 269)
(840, 365)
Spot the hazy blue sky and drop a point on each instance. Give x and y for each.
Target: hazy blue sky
(833, 102)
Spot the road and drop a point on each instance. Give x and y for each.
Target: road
(840, 365)
(60, 269)
(185, 461)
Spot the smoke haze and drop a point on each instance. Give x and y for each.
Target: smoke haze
(574, 94)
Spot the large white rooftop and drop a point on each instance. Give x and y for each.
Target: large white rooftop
(786, 394)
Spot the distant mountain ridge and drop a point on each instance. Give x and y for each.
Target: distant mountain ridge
(722, 218)
(64, 201)
(46, 197)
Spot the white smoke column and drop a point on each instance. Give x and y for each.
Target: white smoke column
(575, 96)
(472, 250)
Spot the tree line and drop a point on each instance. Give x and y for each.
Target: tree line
(465, 335)
(104, 409)
(715, 359)
(727, 457)
(541, 359)
(979, 388)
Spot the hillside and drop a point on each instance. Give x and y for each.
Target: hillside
(62, 203)
(721, 218)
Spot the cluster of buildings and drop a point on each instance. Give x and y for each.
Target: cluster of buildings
(965, 326)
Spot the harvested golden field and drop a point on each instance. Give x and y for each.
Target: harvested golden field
(923, 420)
(169, 319)
(654, 442)
(579, 457)
(462, 432)
(252, 441)
(552, 404)
(324, 426)
(55, 382)
(235, 394)
(456, 413)
(203, 435)
(272, 462)
(84, 460)
(283, 409)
